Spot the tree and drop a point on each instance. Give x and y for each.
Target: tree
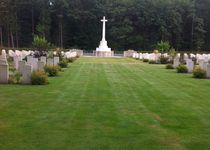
(163, 46)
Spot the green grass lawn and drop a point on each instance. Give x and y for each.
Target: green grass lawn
(100, 103)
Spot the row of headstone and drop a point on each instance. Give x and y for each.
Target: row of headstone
(36, 63)
(129, 53)
(73, 53)
(23, 67)
(149, 56)
(190, 65)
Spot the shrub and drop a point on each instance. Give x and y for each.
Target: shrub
(63, 63)
(71, 60)
(14, 78)
(40, 43)
(145, 60)
(39, 78)
(163, 60)
(199, 73)
(51, 70)
(152, 62)
(163, 46)
(182, 69)
(169, 66)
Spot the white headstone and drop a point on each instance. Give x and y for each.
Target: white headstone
(40, 65)
(203, 64)
(50, 61)
(176, 62)
(16, 59)
(190, 65)
(26, 78)
(21, 65)
(43, 59)
(208, 71)
(56, 60)
(4, 71)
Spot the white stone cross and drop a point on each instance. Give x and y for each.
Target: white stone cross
(104, 28)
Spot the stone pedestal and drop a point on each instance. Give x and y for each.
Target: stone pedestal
(104, 54)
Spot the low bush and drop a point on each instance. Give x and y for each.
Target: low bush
(14, 78)
(145, 60)
(51, 70)
(39, 78)
(164, 60)
(199, 73)
(71, 60)
(63, 63)
(152, 62)
(169, 66)
(182, 69)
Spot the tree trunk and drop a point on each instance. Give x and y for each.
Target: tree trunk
(32, 20)
(17, 41)
(1, 37)
(8, 39)
(12, 39)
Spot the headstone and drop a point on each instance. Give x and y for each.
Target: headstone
(24, 53)
(3, 53)
(16, 59)
(129, 53)
(30, 59)
(21, 65)
(176, 62)
(34, 63)
(50, 61)
(4, 71)
(186, 57)
(11, 53)
(26, 79)
(40, 65)
(208, 71)
(79, 53)
(190, 65)
(43, 59)
(56, 60)
(203, 64)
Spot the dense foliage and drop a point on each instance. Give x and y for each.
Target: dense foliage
(52, 71)
(40, 43)
(181, 69)
(198, 72)
(39, 78)
(134, 24)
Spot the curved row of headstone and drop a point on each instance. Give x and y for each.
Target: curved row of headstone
(203, 60)
(25, 62)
